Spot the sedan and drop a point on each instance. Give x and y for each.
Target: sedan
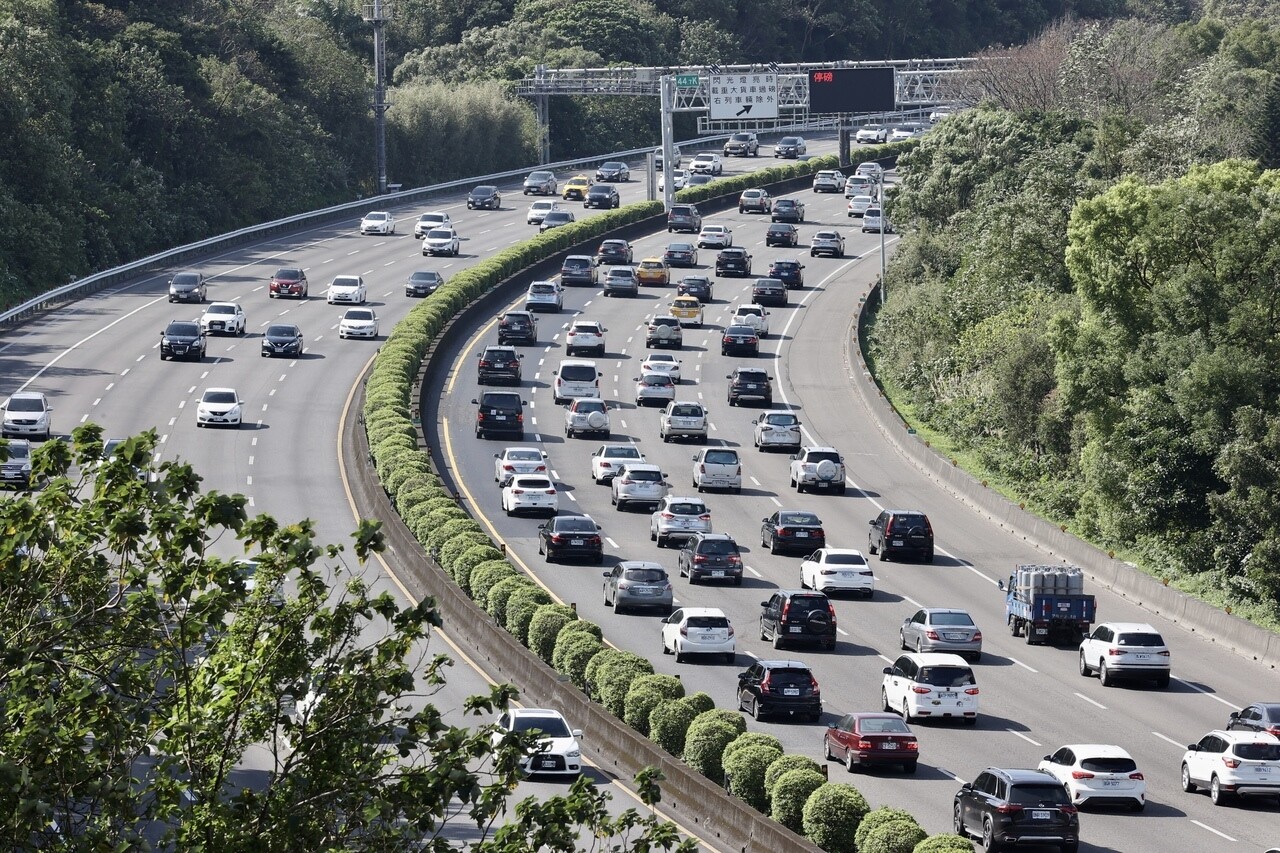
(777, 429)
(558, 751)
(608, 459)
(739, 339)
(288, 281)
(678, 518)
(698, 631)
(378, 222)
(484, 197)
(567, 536)
(695, 285)
(530, 493)
(358, 323)
(791, 529)
(838, 570)
(1095, 773)
(1258, 717)
(603, 196)
(423, 283)
(859, 203)
(555, 219)
(219, 407)
(633, 584)
(654, 387)
(613, 170)
(715, 237)
(518, 460)
(788, 210)
(782, 234)
(346, 288)
(941, 629)
(871, 739)
(441, 241)
(662, 363)
(681, 255)
(827, 243)
(282, 339)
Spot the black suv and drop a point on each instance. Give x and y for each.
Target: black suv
(769, 291)
(695, 285)
(684, 217)
(897, 532)
(782, 234)
(484, 197)
(578, 269)
(742, 145)
(614, 252)
(798, 616)
(182, 339)
(779, 687)
(603, 195)
(789, 271)
(499, 365)
(733, 261)
(517, 327)
(737, 339)
(750, 383)
(1009, 806)
(788, 210)
(711, 555)
(500, 413)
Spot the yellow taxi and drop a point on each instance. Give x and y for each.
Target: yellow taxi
(688, 310)
(577, 187)
(653, 271)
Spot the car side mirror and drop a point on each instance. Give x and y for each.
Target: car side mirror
(966, 787)
(888, 670)
(1048, 758)
(1235, 715)
(765, 520)
(1000, 584)
(497, 456)
(576, 733)
(728, 376)
(831, 725)
(606, 574)
(872, 522)
(764, 604)
(743, 676)
(475, 402)
(1193, 747)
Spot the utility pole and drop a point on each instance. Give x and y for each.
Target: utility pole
(667, 89)
(378, 13)
(884, 224)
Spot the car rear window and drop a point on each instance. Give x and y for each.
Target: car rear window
(1108, 765)
(722, 457)
(589, 406)
(1034, 794)
(533, 483)
(846, 559)
(687, 508)
(645, 476)
(1141, 639)
(524, 456)
(781, 420)
(790, 677)
(946, 676)
(717, 546)
(823, 456)
(951, 619)
(578, 373)
(686, 412)
(808, 603)
(576, 263)
(798, 518)
(1258, 751)
(708, 622)
(578, 525)
(883, 726)
(501, 401)
(753, 376)
(645, 575)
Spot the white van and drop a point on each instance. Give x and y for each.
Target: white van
(577, 377)
(717, 468)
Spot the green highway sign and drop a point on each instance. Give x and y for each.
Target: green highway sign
(687, 81)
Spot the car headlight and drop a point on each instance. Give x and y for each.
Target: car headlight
(573, 753)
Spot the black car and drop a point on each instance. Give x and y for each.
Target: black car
(499, 413)
(779, 687)
(484, 197)
(789, 272)
(782, 234)
(790, 147)
(603, 196)
(733, 261)
(900, 532)
(282, 339)
(614, 252)
(517, 327)
(750, 383)
(710, 555)
(182, 339)
(798, 616)
(739, 339)
(423, 283)
(499, 365)
(1258, 717)
(1003, 807)
(769, 291)
(695, 285)
(613, 170)
(578, 270)
(571, 537)
(681, 255)
(792, 530)
(788, 210)
(684, 217)
(189, 287)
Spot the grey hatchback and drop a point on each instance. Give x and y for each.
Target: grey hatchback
(638, 583)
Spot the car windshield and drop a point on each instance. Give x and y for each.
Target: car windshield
(186, 278)
(1048, 794)
(687, 508)
(289, 275)
(1258, 751)
(788, 140)
(549, 726)
(345, 281)
(700, 179)
(613, 246)
(740, 330)
(686, 412)
(432, 217)
(282, 331)
(885, 725)
(613, 164)
(951, 619)
(219, 396)
(439, 234)
(540, 176)
(661, 358)
(946, 676)
(376, 216)
(220, 309)
(826, 235)
(575, 525)
(846, 560)
(722, 457)
(531, 483)
(781, 420)
(359, 314)
(175, 329)
(423, 276)
(18, 452)
(785, 202)
(645, 575)
(621, 453)
(753, 376)
(707, 622)
(1108, 765)
(586, 328)
(1143, 639)
(484, 191)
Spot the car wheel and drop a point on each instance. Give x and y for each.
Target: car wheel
(665, 650)
(773, 545)
(1216, 794)
(679, 655)
(1187, 785)
(756, 711)
(849, 763)
(1084, 667)
(989, 842)
(906, 711)
(777, 640)
(1104, 676)
(919, 646)
(957, 823)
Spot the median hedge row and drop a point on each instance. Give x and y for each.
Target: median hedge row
(690, 727)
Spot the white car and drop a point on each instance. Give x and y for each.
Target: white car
(777, 429)
(861, 185)
(707, 163)
(585, 337)
(651, 387)
(678, 518)
(518, 460)
(683, 419)
(662, 362)
(871, 169)
(828, 181)
(441, 241)
(752, 315)
(935, 685)
(838, 569)
(358, 323)
(873, 220)
(827, 243)
(539, 209)
(1125, 650)
(698, 631)
(872, 133)
(638, 483)
(818, 469)
(859, 204)
(378, 222)
(608, 459)
(223, 318)
(530, 493)
(558, 754)
(715, 237)
(429, 220)
(587, 414)
(679, 179)
(901, 134)
(1233, 763)
(346, 288)
(219, 407)
(27, 413)
(1097, 773)
(717, 468)
(544, 296)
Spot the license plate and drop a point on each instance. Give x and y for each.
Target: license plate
(707, 638)
(575, 541)
(846, 575)
(802, 534)
(824, 484)
(547, 763)
(1042, 630)
(889, 745)
(897, 543)
(955, 636)
(1041, 814)
(796, 629)
(1140, 656)
(643, 591)
(1111, 783)
(1262, 770)
(791, 691)
(947, 694)
(499, 417)
(718, 573)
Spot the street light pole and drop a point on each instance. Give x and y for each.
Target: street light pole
(884, 223)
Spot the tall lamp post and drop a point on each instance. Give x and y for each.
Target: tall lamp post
(884, 224)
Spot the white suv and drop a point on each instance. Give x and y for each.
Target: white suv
(818, 469)
(930, 684)
(587, 414)
(1117, 650)
(683, 419)
(752, 315)
(1233, 763)
(640, 483)
(27, 414)
(585, 336)
(707, 164)
(717, 468)
(678, 518)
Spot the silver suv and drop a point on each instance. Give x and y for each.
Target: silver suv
(678, 518)
(664, 332)
(683, 420)
(818, 469)
(639, 483)
(28, 414)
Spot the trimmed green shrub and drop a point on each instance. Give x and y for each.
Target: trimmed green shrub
(669, 724)
(466, 564)
(573, 653)
(457, 546)
(944, 843)
(896, 836)
(614, 679)
(592, 673)
(884, 814)
(832, 815)
(521, 605)
(732, 718)
(545, 627)
(485, 575)
(441, 516)
(783, 764)
(499, 593)
(587, 626)
(440, 502)
(744, 770)
(704, 744)
(789, 794)
(700, 701)
(448, 530)
(645, 693)
(752, 739)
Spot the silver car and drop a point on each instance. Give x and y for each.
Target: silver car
(518, 460)
(544, 296)
(654, 386)
(682, 419)
(941, 629)
(639, 484)
(678, 518)
(777, 429)
(638, 583)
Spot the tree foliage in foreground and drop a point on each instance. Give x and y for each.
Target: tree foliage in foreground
(154, 694)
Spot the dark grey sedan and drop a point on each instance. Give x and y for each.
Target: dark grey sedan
(282, 339)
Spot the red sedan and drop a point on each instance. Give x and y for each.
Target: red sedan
(871, 739)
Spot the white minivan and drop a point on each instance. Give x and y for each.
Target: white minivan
(717, 468)
(576, 378)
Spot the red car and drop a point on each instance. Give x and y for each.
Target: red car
(871, 739)
(288, 281)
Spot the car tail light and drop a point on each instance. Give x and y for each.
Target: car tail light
(605, 465)
(764, 685)
(625, 585)
(667, 516)
(911, 744)
(706, 516)
(971, 691)
(1233, 763)
(977, 636)
(508, 468)
(921, 690)
(781, 531)
(786, 608)
(1137, 777)
(1008, 808)
(739, 472)
(627, 481)
(932, 635)
(864, 744)
(592, 539)
(813, 683)
(831, 611)
(1115, 651)
(730, 630)
(557, 538)
(551, 491)
(734, 558)
(541, 468)
(1068, 809)
(485, 363)
(702, 469)
(1081, 774)
(517, 491)
(1164, 653)
(699, 559)
(829, 572)
(519, 419)
(684, 630)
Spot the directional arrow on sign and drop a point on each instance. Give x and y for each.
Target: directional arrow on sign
(745, 110)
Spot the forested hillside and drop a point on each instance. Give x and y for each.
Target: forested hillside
(1085, 307)
(127, 127)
